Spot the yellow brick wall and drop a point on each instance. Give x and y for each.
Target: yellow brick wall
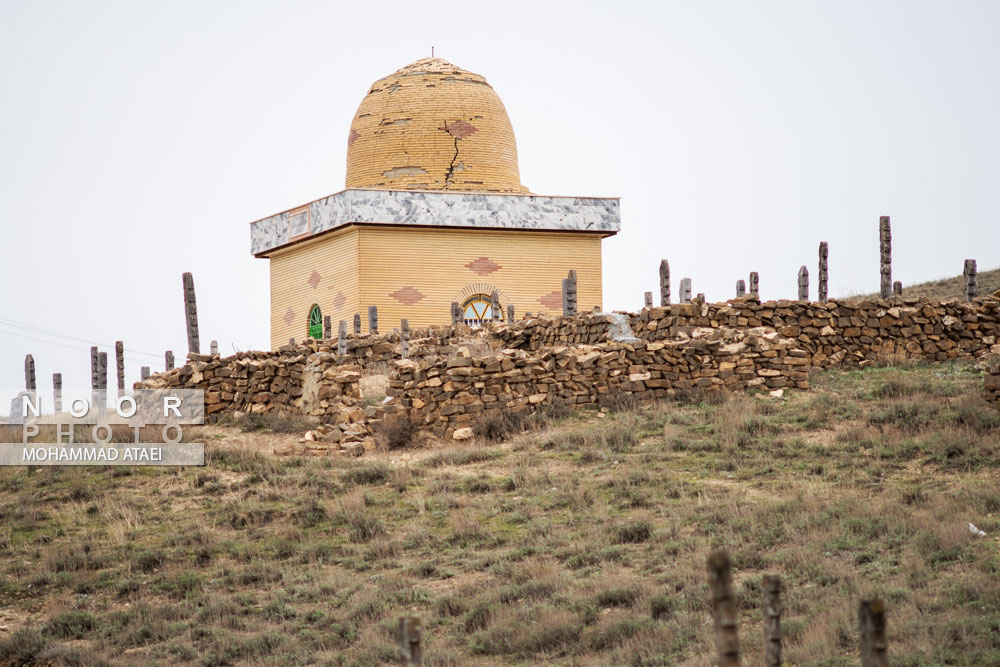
(295, 288)
(435, 263)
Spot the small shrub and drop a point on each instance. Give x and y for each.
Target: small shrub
(276, 423)
(461, 457)
(617, 401)
(554, 408)
(661, 606)
(147, 561)
(498, 425)
(367, 473)
(618, 437)
(395, 432)
(22, 648)
(310, 514)
(451, 605)
(617, 597)
(633, 532)
(182, 584)
(73, 624)
(364, 526)
(616, 633)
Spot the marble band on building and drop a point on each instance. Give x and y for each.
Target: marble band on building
(437, 209)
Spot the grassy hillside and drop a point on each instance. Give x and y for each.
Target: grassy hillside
(582, 542)
(953, 288)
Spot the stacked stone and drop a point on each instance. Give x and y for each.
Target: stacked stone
(447, 394)
(835, 333)
(539, 332)
(736, 345)
(332, 393)
(255, 382)
(993, 381)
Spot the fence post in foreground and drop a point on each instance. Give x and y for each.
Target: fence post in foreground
(871, 623)
(720, 583)
(773, 607)
(408, 635)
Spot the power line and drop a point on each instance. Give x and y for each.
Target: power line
(71, 347)
(49, 332)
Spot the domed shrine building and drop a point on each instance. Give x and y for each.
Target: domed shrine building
(433, 213)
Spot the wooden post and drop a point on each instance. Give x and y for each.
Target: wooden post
(510, 313)
(773, 607)
(327, 327)
(495, 305)
(754, 287)
(102, 380)
(373, 320)
(342, 338)
(971, 288)
(664, 282)
(647, 298)
(803, 283)
(897, 288)
(29, 373)
(168, 361)
(120, 365)
(93, 374)
(102, 371)
(741, 288)
(57, 392)
(885, 253)
(456, 313)
(874, 644)
(191, 313)
(720, 582)
(569, 294)
(824, 252)
(408, 634)
(685, 294)
(357, 324)
(213, 348)
(144, 372)
(404, 338)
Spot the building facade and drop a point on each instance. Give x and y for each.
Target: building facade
(434, 213)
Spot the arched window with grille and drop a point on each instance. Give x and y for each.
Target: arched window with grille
(315, 322)
(478, 309)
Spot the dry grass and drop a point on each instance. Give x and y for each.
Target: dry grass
(578, 543)
(949, 288)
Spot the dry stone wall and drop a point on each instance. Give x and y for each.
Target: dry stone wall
(445, 394)
(839, 333)
(453, 375)
(993, 380)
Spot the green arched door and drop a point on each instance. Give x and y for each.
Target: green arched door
(315, 322)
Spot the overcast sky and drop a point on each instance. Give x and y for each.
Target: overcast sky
(139, 139)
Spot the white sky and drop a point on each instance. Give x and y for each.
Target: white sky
(138, 140)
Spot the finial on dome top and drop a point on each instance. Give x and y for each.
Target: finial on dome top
(432, 52)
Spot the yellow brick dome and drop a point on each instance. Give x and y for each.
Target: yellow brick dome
(432, 126)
